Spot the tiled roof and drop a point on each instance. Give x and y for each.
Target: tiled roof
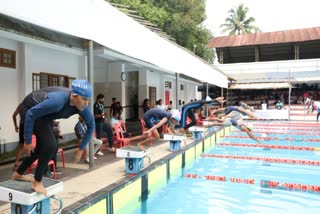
(287, 36)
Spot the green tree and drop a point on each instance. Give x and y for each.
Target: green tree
(181, 19)
(238, 23)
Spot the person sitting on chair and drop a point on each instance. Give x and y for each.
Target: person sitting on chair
(80, 130)
(114, 119)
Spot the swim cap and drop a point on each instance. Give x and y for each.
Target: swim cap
(175, 114)
(250, 127)
(208, 98)
(81, 88)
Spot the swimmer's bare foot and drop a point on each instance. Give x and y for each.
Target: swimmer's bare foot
(141, 146)
(17, 176)
(39, 188)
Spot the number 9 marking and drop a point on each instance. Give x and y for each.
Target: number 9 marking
(10, 196)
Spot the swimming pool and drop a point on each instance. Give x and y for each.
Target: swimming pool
(233, 178)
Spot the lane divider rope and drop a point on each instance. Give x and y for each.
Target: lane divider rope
(265, 159)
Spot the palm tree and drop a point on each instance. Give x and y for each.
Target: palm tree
(237, 23)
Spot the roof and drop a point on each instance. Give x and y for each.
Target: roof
(274, 77)
(287, 36)
(142, 44)
(133, 14)
(264, 85)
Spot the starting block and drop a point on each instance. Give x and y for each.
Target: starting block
(197, 132)
(174, 141)
(25, 200)
(134, 158)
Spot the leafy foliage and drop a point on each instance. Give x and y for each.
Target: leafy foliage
(181, 19)
(238, 23)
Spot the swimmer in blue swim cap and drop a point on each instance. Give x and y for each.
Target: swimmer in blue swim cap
(38, 110)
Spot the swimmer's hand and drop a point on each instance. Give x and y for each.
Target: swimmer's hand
(28, 148)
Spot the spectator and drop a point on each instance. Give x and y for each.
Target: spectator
(180, 105)
(119, 109)
(114, 120)
(108, 133)
(80, 130)
(160, 105)
(113, 106)
(99, 116)
(279, 105)
(170, 105)
(146, 105)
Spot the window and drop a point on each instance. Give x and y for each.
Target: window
(7, 58)
(168, 84)
(181, 87)
(70, 81)
(35, 82)
(42, 80)
(152, 96)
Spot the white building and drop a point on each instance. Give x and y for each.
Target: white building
(36, 52)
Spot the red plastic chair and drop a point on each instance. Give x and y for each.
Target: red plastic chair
(60, 150)
(123, 124)
(143, 124)
(120, 139)
(35, 163)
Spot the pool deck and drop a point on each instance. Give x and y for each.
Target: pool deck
(80, 181)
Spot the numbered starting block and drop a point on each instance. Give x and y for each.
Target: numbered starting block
(197, 132)
(25, 200)
(134, 158)
(174, 141)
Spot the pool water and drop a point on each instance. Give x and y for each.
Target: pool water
(226, 185)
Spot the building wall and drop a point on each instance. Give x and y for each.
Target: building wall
(17, 83)
(9, 92)
(40, 59)
(35, 57)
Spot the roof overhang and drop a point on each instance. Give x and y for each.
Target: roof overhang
(114, 30)
(251, 86)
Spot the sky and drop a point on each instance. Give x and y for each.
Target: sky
(270, 15)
